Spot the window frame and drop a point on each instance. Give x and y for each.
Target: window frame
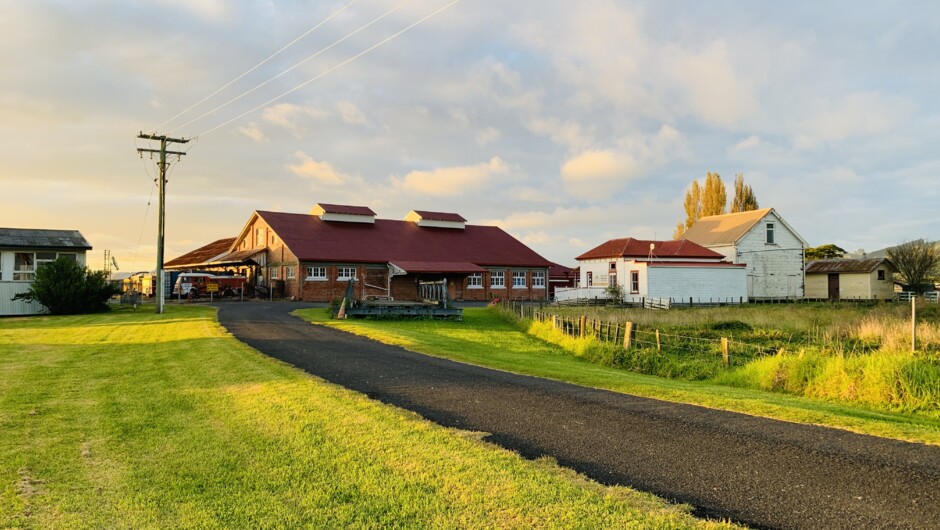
(769, 236)
(311, 277)
(289, 273)
(341, 278)
(882, 275)
(538, 279)
(475, 280)
(272, 273)
(516, 275)
(502, 279)
(24, 275)
(635, 282)
(589, 279)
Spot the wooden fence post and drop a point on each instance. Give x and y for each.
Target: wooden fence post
(582, 325)
(659, 345)
(725, 354)
(628, 335)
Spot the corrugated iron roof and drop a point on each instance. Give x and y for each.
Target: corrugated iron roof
(202, 254)
(40, 238)
(560, 271)
(825, 266)
(640, 248)
(438, 266)
(311, 239)
(724, 229)
(440, 216)
(710, 264)
(346, 209)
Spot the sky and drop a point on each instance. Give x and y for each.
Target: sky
(565, 123)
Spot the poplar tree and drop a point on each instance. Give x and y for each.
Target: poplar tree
(744, 198)
(714, 197)
(693, 209)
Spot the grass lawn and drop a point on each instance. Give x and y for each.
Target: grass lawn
(138, 420)
(485, 338)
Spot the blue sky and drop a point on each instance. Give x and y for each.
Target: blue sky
(566, 123)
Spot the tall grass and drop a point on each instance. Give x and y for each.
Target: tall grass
(848, 353)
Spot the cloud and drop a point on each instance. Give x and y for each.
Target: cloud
(350, 113)
(319, 172)
(567, 133)
(856, 114)
(452, 181)
(291, 116)
(253, 132)
(709, 86)
(530, 194)
(487, 136)
(748, 143)
(597, 173)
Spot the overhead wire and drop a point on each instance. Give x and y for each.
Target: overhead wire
(334, 68)
(255, 67)
(295, 66)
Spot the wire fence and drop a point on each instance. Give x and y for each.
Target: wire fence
(628, 335)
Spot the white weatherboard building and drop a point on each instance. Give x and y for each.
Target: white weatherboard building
(22, 251)
(680, 271)
(761, 239)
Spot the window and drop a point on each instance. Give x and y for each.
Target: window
(613, 265)
(881, 274)
(273, 273)
(68, 255)
(498, 279)
(316, 273)
(346, 273)
(612, 279)
(518, 279)
(24, 266)
(590, 278)
(475, 281)
(43, 258)
(259, 237)
(290, 273)
(538, 280)
(634, 282)
(770, 233)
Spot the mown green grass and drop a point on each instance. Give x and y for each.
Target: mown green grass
(137, 420)
(487, 338)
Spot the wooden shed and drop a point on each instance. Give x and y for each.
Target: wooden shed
(22, 251)
(850, 279)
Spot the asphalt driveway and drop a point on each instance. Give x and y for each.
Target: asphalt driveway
(756, 471)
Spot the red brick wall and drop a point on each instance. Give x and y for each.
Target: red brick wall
(507, 291)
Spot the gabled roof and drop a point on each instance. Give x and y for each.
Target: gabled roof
(38, 238)
(560, 271)
(203, 254)
(824, 266)
(346, 209)
(310, 238)
(640, 248)
(440, 216)
(724, 229)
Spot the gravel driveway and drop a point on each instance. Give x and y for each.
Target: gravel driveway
(756, 471)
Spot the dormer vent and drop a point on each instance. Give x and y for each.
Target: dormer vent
(436, 219)
(343, 213)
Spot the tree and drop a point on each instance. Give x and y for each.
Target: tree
(918, 264)
(693, 208)
(702, 201)
(828, 251)
(67, 288)
(714, 197)
(744, 198)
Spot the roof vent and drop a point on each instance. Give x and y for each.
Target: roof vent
(343, 213)
(436, 219)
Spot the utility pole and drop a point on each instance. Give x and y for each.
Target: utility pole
(161, 185)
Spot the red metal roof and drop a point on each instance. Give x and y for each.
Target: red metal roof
(441, 216)
(346, 209)
(640, 248)
(726, 264)
(202, 254)
(438, 266)
(560, 271)
(312, 239)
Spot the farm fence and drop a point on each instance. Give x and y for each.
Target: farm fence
(628, 335)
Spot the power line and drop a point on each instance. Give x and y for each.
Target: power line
(295, 66)
(255, 67)
(336, 67)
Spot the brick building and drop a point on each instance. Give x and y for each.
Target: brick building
(313, 256)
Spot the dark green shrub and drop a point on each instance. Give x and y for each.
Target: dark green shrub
(66, 288)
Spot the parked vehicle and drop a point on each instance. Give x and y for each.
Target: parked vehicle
(201, 283)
